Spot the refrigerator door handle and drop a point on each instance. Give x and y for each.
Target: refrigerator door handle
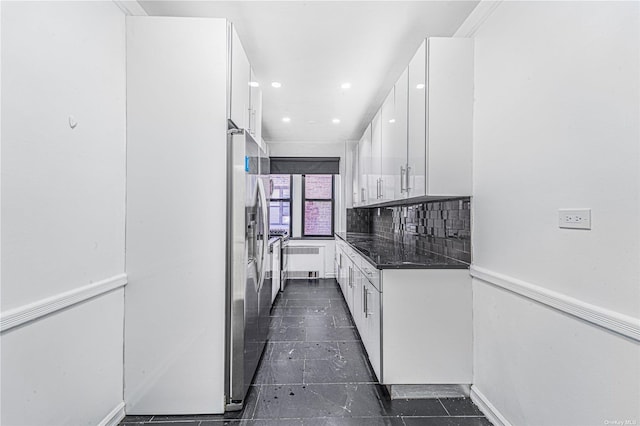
(262, 200)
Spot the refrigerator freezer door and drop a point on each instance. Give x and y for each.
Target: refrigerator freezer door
(247, 317)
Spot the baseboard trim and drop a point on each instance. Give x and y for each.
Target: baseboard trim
(476, 18)
(614, 321)
(114, 417)
(33, 311)
(488, 409)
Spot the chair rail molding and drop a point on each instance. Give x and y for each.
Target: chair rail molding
(611, 320)
(33, 311)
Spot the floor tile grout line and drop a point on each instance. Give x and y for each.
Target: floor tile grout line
(445, 408)
(255, 407)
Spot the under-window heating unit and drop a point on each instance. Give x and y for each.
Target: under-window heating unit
(304, 262)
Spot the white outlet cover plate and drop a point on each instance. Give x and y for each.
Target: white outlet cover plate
(574, 218)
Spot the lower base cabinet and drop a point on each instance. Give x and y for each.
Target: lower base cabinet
(415, 324)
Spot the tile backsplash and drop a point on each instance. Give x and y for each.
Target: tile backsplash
(443, 227)
(359, 220)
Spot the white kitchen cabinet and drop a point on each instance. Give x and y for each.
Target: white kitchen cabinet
(342, 269)
(394, 140)
(364, 167)
(357, 304)
(353, 192)
(372, 319)
(415, 324)
(240, 70)
(417, 125)
(427, 326)
(450, 115)
(255, 107)
(421, 137)
(338, 264)
(375, 166)
(349, 283)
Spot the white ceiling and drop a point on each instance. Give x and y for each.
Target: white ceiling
(312, 47)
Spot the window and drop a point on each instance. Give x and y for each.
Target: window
(317, 206)
(280, 204)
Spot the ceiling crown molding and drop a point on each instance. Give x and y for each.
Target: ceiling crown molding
(130, 7)
(476, 18)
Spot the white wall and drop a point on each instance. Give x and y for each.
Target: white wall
(63, 208)
(556, 125)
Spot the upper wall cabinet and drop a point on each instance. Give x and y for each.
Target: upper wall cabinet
(416, 173)
(255, 108)
(364, 168)
(374, 179)
(394, 141)
(240, 74)
(355, 176)
(449, 118)
(421, 138)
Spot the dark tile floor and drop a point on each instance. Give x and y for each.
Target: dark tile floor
(314, 372)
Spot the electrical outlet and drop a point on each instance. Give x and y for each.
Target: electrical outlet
(574, 218)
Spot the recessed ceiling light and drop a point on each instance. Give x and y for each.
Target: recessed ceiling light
(420, 86)
(393, 120)
(286, 119)
(254, 84)
(335, 121)
(345, 86)
(276, 84)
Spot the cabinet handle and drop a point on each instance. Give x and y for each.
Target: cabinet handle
(366, 302)
(407, 186)
(402, 178)
(363, 195)
(381, 188)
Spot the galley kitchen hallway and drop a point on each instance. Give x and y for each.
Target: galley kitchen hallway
(314, 371)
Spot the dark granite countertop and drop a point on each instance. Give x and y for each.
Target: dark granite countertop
(384, 253)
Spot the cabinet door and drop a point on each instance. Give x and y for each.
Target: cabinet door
(357, 312)
(394, 140)
(349, 284)
(255, 107)
(417, 124)
(240, 77)
(353, 199)
(336, 265)
(388, 129)
(364, 167)
(398, 150)
(371, 310)
(450, 121)
(344, 270)
(376, 159)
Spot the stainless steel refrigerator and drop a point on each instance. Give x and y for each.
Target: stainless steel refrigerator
(248, 284)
